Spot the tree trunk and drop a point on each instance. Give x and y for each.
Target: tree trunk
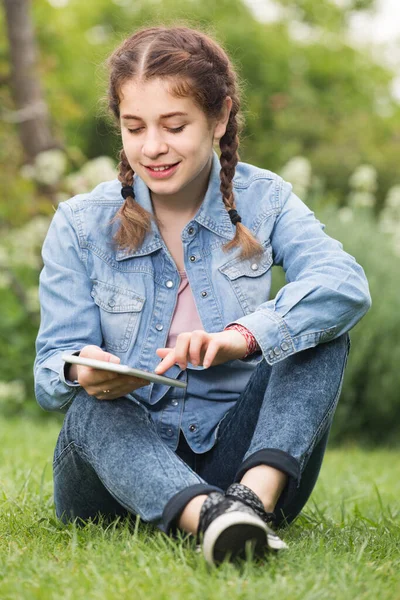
(32, 114)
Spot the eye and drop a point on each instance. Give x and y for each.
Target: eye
(176, 129)
(135, 130)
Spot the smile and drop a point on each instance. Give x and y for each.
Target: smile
(162, 171)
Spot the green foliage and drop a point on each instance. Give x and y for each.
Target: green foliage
(313, 96)
(370, 403)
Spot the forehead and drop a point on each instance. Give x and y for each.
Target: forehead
(152, 98)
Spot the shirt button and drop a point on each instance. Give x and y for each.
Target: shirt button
(192, 427)
(169, 283)
(191, 230)
(284, 346)
(159, 327)
(192, 258)
(204, 294)
(271, 355)
(169, 432)
(254, 267)
(111, 303)
(174, 402)
(277, 351)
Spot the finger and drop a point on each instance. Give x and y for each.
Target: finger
(166, 363)
(112, 393)
(99, 354)
(211, 353)
(182, 349)
(197, 342)
(161, 352)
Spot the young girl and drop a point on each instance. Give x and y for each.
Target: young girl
(172, 261)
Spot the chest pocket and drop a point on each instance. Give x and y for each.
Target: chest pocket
(120, 312)
(250, 279)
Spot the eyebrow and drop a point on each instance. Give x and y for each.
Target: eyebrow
(166, 116)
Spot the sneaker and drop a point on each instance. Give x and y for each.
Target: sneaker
(229, 529)
(238, 491)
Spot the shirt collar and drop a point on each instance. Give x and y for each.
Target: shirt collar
(212, 214)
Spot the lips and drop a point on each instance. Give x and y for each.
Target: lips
(161, 171)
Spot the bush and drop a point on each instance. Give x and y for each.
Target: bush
(370, 402)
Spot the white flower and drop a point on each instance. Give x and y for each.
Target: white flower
(32, 297)
(27, 171)
(97, 35)
(91, 174)
(393, 198)
(99, 169)
(25, 242)
(12, 390)
(50, 166)
(361, 199)
(345, 214)
(298, 172)
(364, 179)
(58, 3)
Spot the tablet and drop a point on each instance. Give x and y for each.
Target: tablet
(122, 369)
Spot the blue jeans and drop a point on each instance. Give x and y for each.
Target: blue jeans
(110, 460)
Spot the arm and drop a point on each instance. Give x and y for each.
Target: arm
(326, 292)
(69, 317)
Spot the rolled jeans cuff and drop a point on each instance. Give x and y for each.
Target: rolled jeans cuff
(177, 503)
(278, 459)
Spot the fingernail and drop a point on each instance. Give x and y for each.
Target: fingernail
(206, 364)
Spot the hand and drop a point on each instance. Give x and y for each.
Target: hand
(105, 385)
(202, 348)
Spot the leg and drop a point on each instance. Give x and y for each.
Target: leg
(282, 420)
(110, 459)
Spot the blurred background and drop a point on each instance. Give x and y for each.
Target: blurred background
(321, 99)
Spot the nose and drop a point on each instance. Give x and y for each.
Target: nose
(154, 145)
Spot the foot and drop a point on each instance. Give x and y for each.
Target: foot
(238, 491)
(228, 528)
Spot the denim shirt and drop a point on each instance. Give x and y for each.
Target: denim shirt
(91, 292)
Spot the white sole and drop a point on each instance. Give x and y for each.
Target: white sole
(232, 532)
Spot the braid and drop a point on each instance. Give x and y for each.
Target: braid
(134, 220)
(229, 158)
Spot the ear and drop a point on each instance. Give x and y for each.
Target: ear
(222, 121)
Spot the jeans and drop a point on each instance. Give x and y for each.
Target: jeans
(109, 459)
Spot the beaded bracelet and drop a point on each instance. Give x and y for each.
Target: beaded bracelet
(252, 344)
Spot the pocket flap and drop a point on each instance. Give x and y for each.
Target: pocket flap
(249, 267)
(115, 299)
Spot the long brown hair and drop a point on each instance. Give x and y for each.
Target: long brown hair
(199, 68)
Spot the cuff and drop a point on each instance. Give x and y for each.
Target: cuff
(279, 460)
(271, 333)
(177, 503)
(63, 372)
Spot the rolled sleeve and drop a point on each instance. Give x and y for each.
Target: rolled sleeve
(326, 292)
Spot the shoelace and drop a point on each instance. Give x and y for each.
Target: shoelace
(247, 496)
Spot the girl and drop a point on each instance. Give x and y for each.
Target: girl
(179, 269)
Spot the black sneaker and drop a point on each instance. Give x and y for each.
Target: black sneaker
(228, 528)
(238, 491)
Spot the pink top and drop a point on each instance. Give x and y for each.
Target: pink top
(185, 317)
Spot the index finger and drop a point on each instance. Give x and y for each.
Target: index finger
(167, 362)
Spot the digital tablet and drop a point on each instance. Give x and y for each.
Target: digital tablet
(122, 369)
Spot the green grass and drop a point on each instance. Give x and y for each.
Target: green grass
(346, 544)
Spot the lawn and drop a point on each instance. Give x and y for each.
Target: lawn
(345, 545)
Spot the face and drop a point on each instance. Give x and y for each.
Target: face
(168, 141)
